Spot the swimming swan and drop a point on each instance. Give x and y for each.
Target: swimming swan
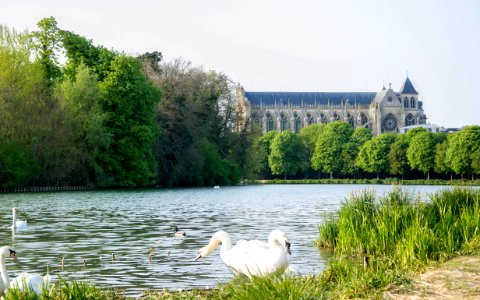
(35, 281)
(251, 258)
(17, 224)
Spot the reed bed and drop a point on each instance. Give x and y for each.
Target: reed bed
(380, 242)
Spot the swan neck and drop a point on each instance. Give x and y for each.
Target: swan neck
(14, 219)
(224, 239)
(3, 269)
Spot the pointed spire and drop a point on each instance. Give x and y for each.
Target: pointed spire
(408, 88)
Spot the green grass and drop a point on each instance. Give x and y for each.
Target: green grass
(399, 234)
(63, 290)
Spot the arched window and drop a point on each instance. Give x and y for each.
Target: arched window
(297, 123)
(405, 102)
(269, 122)
(336, 117)
(323, 119)
(350, 120)
(364, 119)
(283, 122)
(409, 120)
(412, 103)
(310, 119)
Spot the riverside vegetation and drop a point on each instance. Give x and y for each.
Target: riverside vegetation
(379, 244)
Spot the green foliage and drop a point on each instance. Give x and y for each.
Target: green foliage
(421, 152)
(441, 165)
(361, 135)
(461, 146)
(287, 154)
(81, 51)
(128, 100)
(80, 99)
(398, 156)
(47, 41)
(198, 106)
(17, 166)
(216, 170)
(329, 147)
(373, 156)
(475, 157)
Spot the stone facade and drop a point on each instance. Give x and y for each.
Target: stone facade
(383, 111)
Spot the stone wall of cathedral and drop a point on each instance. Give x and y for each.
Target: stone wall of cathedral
(387, 112)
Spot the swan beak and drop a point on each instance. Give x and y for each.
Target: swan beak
(287, 244)
(13, 254)
(198, 256)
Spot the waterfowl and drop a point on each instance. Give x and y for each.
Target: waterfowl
(178, 233)
(33, 281)
(251, 258)
(17, 224)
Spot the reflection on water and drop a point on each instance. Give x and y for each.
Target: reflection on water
(86, 228)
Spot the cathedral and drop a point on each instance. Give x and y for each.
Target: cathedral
(383, 111)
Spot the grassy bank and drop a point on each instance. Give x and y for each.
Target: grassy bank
(382, 243)
(396, 181)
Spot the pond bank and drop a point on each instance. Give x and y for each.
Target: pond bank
(395, 181)
(458, 278)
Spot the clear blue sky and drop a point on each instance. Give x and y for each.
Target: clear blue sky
(277, 45)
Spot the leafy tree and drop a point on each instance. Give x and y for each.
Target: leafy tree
(198, 105)
(475, 157)
(81, 52)
(329, 147)
(361, 135)
(373, 155)
(350, 151)
(128, 99)
(261, 151)
(398, 156)
(308, 136)
(287, 154)
(216, 170)
(461, 146)
(414, 131)
(421, 152)
(48, 44)
(80, 99)
(441, 166)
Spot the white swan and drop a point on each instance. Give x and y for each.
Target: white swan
(17, 224)
(251, 258)
(34, 281)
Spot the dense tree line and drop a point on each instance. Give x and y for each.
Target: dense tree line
(336, 150)
(73, 113)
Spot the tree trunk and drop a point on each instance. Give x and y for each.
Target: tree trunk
(428, 175)
(331, 175)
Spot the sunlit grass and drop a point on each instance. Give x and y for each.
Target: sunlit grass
(63, 290)
(380, 242)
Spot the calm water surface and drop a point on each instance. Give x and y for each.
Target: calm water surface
(87, 227)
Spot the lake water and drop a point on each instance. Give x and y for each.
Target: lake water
(87, 227)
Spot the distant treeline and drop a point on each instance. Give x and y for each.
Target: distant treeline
(337, 150)
(76, 114)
